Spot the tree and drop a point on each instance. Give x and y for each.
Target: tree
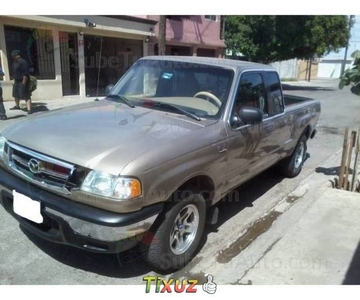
(352, 75)
(273, 38)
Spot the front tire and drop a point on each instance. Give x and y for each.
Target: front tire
(292, 166)
(174, 238)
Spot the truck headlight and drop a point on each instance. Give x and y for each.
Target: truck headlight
(2, 146)
(107, 185)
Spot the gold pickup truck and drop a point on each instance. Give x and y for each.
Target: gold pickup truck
(147, 164)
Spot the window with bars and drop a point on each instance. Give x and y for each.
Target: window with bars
(36, 47)
(211, 17)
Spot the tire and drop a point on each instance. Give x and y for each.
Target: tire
(161, 246)
(292, 165)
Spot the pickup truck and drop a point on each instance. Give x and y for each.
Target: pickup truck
(146, 165)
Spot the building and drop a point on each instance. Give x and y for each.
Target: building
(80, 55)
(330, 65)
(73, 55)
(190, 35)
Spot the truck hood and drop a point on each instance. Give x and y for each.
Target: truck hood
(102, 135)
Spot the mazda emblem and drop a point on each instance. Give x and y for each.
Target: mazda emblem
(34, 166)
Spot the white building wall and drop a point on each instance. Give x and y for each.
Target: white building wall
(287, 68)
(328, 69)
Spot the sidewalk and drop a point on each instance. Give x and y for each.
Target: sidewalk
(45, 105)
(321, 248)
(313, 238)
(321, 82)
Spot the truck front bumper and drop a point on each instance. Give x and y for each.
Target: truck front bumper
(76, 224)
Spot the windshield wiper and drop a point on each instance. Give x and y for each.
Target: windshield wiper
(185, 112)
(122, 98)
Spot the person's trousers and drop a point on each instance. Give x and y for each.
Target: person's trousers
(2, 108)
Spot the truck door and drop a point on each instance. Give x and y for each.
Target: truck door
(250, 147)
(281, 121)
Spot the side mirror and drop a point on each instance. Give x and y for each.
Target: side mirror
(108, 89)
(251, 115)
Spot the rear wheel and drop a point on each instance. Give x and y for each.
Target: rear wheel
(291, 166)
(174, 238)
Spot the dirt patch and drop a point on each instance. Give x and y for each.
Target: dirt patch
(292, 199)
(249, 282)
(255, 230)
(331, 130)
(187, 274)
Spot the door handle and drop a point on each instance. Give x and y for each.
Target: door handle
(222, 148)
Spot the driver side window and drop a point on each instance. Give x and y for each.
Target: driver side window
(251, 93)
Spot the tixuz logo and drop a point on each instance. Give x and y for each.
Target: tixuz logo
(178, 286)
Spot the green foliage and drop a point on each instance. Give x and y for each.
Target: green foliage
(352, 76)
(273, 38)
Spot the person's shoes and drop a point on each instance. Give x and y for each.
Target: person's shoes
(15, 108)
(3, 118)
(30, 112)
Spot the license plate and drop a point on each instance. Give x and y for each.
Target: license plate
(27, 208)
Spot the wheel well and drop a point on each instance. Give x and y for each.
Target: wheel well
(307, 132)
(204, 184)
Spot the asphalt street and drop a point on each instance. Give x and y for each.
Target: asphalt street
(26, 259)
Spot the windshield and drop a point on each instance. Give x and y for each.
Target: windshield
(201, 90)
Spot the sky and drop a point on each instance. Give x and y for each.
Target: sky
(354, 43)
(184, 7)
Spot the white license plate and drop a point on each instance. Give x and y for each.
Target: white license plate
(27, 208)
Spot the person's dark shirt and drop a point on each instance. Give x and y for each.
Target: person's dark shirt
(20, 69)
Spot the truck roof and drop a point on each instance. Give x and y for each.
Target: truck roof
(236, 65)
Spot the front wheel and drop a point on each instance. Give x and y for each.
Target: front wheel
(174, 238)
(291, 166)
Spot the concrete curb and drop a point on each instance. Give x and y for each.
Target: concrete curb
(283, 215)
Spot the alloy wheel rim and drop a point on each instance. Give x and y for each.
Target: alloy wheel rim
(184, 229)
(299, 157)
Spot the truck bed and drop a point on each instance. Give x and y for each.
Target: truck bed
(291, 100)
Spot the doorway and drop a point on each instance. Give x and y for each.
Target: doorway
(106, 60)
(206, 52)
(69, 63)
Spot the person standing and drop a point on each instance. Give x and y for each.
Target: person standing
(21, 81)
(2, 108)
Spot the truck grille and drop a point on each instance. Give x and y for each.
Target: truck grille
(41, 169)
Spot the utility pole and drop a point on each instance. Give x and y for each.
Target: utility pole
(223, 28)
(222, 35)
(310, 62)
(162, 35)
(347, 47)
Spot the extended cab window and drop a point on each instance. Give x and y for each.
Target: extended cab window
(251, 93)
(276, 99)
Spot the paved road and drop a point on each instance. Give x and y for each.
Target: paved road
(25, 259)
